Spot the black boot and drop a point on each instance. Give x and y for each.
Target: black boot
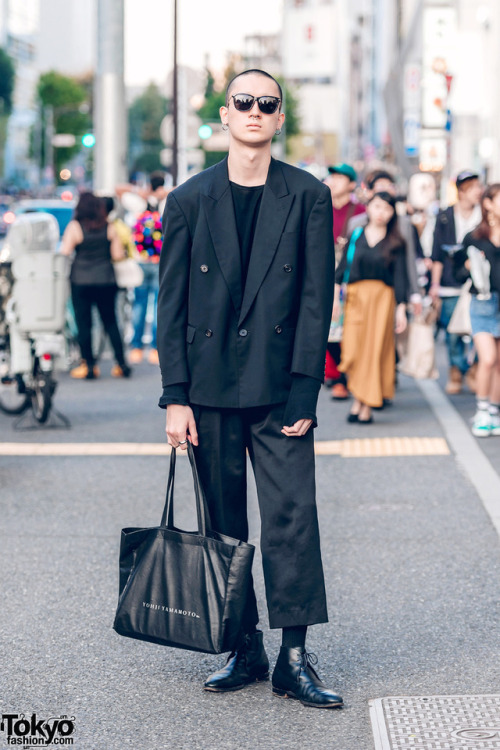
(294, 677)
(246, 665)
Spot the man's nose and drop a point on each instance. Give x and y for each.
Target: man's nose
(253, 109)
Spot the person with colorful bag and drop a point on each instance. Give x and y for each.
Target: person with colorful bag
(377, 292)
(147, 236)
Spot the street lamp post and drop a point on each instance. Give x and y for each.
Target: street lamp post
(110, 124)
(175, 107)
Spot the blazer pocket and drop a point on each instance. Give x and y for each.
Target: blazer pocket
(191, 330)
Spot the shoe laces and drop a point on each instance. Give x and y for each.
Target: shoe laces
(308, 659)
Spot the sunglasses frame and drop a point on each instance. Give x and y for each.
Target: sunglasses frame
(256, 99)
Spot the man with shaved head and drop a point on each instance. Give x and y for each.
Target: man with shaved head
(246, 284)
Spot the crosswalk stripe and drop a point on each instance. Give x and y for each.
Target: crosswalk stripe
(354, 448)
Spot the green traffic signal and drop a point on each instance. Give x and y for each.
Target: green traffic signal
(88, 140)
(205, 131)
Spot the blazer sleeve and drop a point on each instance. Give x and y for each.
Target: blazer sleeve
(175, 261)
(437, 242)
(316, 299)
(411, 237)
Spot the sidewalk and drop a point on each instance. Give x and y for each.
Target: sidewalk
(411, 562)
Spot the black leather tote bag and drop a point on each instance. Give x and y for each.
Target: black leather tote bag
(185, 589)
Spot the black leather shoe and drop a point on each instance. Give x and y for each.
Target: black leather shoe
(294, 677)
(246, 665)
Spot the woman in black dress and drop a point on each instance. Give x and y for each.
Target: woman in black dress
(95, 244)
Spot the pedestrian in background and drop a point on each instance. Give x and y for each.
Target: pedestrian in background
(452, 225)
(148, 241)
(377, 293)
(383, 181)
(480, 260)
(122, 229)
(341, 180)
(95, 244)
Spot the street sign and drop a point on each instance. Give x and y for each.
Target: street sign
(432, 154)
(63, 140)
(411, 134)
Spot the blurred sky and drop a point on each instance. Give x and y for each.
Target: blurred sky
(205, 26)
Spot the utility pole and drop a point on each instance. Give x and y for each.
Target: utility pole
(175, 107)
(110, 116)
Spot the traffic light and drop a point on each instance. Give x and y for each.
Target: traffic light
(88, 140)
(205, 131)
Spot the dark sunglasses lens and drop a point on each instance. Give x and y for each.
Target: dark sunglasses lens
(268, 104)
(242, 102)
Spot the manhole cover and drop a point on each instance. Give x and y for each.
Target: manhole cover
(437, 722)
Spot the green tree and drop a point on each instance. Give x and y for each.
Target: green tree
(7, 80)
(144, 119)
(291, 107)
(66, 100)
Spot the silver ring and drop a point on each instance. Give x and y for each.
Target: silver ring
(182, 442)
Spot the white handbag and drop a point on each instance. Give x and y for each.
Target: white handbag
(128, 273)
(460, 320)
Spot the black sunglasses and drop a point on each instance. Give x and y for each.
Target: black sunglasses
(267, 104)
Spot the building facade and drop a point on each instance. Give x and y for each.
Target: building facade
(18, 30)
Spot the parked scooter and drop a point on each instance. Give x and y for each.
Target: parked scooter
(32, 346)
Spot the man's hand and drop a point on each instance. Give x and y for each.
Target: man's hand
(298, 429)
(180, 426)
(401, 319)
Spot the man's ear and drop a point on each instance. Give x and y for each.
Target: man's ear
(223, 112)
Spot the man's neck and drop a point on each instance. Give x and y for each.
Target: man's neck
(341, 200)
(464, 208)
(248, 166)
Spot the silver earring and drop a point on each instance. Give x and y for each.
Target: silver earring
(278, 132)
(225, 126)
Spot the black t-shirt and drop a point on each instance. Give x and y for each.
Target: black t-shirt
(246, 202)
(370, 263)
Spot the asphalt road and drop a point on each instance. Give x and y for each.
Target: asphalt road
(410, 555)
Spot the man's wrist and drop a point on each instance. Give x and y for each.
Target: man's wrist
(176, 393)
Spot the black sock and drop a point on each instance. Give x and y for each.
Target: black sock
(250, 630)
(294, 637)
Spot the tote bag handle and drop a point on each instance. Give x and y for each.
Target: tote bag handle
(202, 513)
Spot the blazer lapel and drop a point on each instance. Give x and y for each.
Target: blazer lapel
(273, 213)
(219, 211)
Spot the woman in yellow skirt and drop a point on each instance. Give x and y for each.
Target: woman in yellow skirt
(375, 308)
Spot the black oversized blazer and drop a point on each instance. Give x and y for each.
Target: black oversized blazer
(238, 348)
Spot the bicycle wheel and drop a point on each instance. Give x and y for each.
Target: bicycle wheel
(14, 398)
(41, 395)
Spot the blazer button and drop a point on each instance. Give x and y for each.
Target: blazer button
(278, 329)
(204, 268)
(208, 332)
(243, 332)
(287, 268)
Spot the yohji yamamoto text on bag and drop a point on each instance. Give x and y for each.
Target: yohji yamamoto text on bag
(185, 589)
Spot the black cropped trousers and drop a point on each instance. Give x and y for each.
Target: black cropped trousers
(285, 477)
